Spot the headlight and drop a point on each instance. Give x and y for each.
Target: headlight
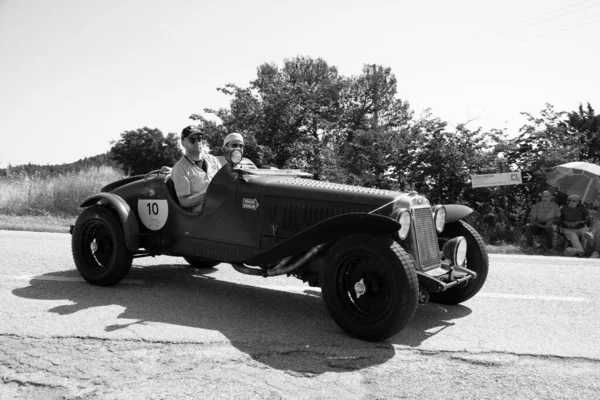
(404, 219)
(439, 217)
(456, 250)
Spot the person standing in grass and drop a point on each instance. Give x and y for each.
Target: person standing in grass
(541, 220)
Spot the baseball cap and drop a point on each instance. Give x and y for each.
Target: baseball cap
(189, 130)
(233, 136)
(573, 197)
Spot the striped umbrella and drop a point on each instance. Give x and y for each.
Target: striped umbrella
(579, 178)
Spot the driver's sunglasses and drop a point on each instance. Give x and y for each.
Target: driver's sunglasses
(193, 140)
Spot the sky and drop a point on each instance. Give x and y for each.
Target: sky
(76, 74)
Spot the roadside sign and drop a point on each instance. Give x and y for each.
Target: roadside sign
(527, 176)
(502, 179)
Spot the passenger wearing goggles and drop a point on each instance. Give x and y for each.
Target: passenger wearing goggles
(235, 141)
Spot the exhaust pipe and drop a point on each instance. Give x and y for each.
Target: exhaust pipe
(282, 268)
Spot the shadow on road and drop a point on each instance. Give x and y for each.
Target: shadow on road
(283, 330)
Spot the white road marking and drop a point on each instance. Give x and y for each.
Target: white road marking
(69, 279)
(532, 297)
(314, 290)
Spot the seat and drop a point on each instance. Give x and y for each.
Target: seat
(173, 194)
(171, 188)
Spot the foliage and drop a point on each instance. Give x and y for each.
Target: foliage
(60, 169)
(142, 150)
(587, 124)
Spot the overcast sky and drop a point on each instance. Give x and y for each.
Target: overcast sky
(75, 74)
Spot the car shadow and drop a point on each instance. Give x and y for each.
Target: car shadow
(429, 320)
(283, 330)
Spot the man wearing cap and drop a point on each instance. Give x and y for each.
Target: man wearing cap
(541, 219)
(194, 171)
(574, 221)
(235, 141)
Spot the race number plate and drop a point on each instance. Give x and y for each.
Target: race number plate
(153, 213)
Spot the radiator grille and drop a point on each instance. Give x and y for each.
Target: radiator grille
(426, 238)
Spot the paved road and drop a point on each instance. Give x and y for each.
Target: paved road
(169, 331)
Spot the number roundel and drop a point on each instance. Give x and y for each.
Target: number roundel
(153, 213)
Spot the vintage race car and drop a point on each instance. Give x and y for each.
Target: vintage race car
(375, 253)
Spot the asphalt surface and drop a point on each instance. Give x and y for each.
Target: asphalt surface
(170, 331)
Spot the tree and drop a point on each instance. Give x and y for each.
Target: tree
(545, 141)
(143, 150)
(587, 123)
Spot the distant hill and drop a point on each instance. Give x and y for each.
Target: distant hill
(52, 170)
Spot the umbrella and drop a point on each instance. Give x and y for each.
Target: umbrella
(579, 178)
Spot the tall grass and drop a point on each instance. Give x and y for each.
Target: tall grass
(22, 194)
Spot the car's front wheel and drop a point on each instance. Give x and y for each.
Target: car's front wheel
(98, 247)
(369, 286)
(477, 260)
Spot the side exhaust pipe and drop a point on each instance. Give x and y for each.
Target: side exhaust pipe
(283, 267)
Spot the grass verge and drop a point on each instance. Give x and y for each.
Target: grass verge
(33, 223)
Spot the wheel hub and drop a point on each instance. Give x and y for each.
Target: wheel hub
(94, 246)
(360, 288)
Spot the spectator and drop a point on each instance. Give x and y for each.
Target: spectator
(594, 235)
(542, 218)
(574, 222)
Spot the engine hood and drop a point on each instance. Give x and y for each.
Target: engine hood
(294, 187)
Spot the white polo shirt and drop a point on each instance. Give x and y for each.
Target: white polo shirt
(189, 178)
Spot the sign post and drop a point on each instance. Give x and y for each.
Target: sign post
(501, 179)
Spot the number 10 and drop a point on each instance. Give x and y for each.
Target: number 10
(152, 208)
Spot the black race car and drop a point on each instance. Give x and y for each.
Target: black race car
(375, 253)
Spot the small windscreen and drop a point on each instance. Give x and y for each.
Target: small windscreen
(274, 172)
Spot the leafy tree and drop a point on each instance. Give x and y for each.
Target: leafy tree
(291, 111)
(545, 141)
(142, 150)
(587, 123)
(370, 102)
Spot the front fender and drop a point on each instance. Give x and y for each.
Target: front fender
(131, 231)
(328, 230)
(454, 212)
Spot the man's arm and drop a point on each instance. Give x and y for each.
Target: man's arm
(191, 200)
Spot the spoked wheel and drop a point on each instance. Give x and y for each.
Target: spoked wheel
(99, 248)
(370, 287)
(477, 260)
(200, 262)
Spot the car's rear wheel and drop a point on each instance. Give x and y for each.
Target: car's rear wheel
(369, 286)
(98, 247)
(200, 262)
(477, 260)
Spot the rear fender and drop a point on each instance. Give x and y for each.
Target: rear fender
(131, 231)
(454, 212)
(330, 229)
